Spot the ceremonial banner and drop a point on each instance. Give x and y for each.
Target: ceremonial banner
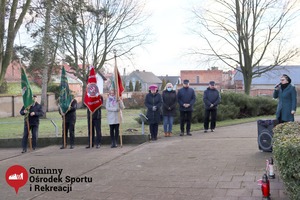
(65, 97)
(26, 90)
(92, 97)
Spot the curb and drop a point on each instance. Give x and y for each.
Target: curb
(44, 142)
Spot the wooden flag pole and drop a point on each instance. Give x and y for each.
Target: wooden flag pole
(91, 128)
(64, 122)
(28, 130)
(120, 133)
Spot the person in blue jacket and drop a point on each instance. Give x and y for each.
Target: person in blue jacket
(153, 102)
(286, 93)
(186, 99)
(211, 99)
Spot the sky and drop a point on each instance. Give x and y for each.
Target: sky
(169, 24)
(167, 55)
(171, 40)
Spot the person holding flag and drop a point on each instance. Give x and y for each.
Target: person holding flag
(93, 102)
(96, 127)
(69, 121)
(32, 110)
(114, 106)
(67, 109)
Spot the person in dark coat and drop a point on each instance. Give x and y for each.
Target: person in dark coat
(186, 99)
(211, 99)
(34, 113)
(96, 125)
(169, 101)
(70, 120)
(153, 104)
(287, 95)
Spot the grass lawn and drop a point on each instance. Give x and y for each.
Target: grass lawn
(15, 88)
(12, 127)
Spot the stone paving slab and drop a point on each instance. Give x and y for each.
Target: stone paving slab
(224, 165)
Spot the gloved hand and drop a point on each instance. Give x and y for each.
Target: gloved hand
(154, 108)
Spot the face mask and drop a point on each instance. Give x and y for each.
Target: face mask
(169, 89)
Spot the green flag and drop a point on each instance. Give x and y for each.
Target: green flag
(26, 90)
(65, 97)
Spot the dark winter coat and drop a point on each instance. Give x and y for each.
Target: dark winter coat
(287, 102)
(37, 109)
(150, 101)
(186, 95)
(169, 100)
(211, 96)
(70, 116)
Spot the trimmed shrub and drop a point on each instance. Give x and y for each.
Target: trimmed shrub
(286, 150)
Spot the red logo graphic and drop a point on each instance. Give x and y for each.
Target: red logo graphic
(16, 176)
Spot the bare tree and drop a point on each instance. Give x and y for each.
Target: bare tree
(247, 35)
(13, 12)
(92, 30)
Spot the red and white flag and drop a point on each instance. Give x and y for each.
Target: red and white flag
(92, 98)
(118, 82)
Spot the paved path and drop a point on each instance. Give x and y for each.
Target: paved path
(224, 165)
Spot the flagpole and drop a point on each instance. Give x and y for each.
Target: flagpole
(91, 128)
(118, 100)
(28, 130)
(64, 122)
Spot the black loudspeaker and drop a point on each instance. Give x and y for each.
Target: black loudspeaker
(265, 134)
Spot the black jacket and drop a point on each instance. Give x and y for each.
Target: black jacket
(211, 96)
(37, 109)
(70, 116)
(169, 100)
(186, 95)
(150, 101)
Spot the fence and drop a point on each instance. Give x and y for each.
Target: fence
(10, 106)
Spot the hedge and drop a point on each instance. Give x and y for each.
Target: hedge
(286, 150)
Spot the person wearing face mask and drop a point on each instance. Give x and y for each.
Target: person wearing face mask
(286, 93)
(153, 104)
(169, 101)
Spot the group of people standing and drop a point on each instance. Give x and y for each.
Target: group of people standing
(165, 105)
(159, 107)
(113, 106)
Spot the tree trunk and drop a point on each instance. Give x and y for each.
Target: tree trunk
(247, 83)
(44, 99)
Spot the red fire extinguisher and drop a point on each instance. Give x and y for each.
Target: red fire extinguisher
(265, 187)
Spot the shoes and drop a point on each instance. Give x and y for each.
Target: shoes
(24, 151)
(71, 147)
(97, 146)
(205, 131)
(212, 130)
(166, 134)
(62, 147)
(170, 134)
(87, 147)
(189, 134)
(181, 134)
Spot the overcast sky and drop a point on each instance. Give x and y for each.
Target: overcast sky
(170, 39)
(166, 55)
(169, 24)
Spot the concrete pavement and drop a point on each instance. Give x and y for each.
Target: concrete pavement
(224, 165)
